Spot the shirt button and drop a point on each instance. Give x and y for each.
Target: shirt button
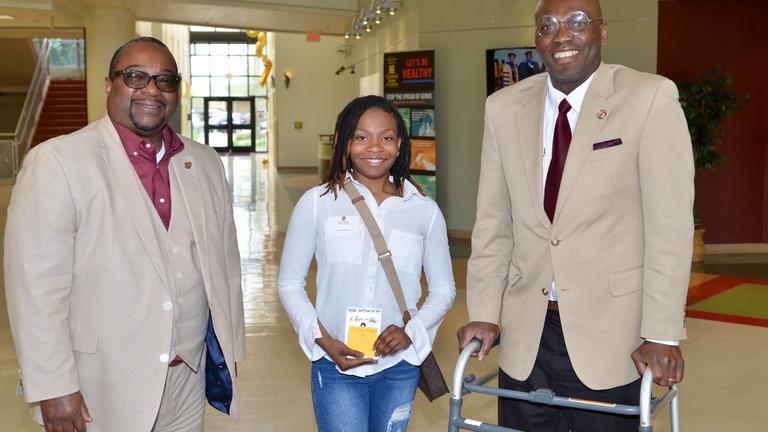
(545, 291)
(162, 200)
(164, 358)
(147, 145)
(167, 305)
(135, 153)
(555, 242)
(179, 275)
(175, 249)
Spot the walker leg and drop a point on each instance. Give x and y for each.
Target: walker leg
(674, 413)
(455, 412)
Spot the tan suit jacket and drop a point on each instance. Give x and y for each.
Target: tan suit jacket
(619, 247)
(85, 279)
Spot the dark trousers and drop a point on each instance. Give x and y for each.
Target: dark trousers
(553, 370)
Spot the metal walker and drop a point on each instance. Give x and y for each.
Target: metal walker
(648, 408)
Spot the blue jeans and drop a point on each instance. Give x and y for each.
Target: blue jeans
(381, 402)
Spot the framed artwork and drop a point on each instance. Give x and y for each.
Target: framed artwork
(506, 66)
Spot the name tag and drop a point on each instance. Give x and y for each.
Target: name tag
(343, 225)
(362, 329)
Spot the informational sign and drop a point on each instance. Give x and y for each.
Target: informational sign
(409, 71)
(409, 83)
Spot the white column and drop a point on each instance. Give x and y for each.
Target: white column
(105, 31)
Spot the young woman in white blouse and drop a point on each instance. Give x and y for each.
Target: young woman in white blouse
(352, 392)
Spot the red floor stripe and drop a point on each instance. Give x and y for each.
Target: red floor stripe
(717, 286)
(735, 319)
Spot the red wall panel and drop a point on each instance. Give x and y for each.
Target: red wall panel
(694, 36)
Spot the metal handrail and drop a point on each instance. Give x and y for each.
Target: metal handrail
(30, 112)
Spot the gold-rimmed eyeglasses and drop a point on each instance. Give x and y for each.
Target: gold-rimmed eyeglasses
(576, 22)
(166, 83)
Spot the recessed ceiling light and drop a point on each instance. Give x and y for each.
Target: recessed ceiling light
(7, 17)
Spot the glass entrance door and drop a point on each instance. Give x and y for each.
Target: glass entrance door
(229, 123)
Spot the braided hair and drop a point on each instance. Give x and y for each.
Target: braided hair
(346, 124)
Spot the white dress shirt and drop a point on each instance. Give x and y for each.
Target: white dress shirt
(551, 111)
(349, 274)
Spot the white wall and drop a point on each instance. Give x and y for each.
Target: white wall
(460, 34)
(315, 96)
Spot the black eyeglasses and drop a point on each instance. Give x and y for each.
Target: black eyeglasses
(576, 22)
(134, 79)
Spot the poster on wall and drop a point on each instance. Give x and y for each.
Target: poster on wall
(506, 66)
(405, 113)
(423, 122)
(409, 83)
(423, 155)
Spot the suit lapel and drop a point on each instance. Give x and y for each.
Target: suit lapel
(587, 129)
(184, 169)
(529, 122)
(129, 187)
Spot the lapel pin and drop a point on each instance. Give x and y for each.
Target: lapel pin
(188, 165)
(602, 114)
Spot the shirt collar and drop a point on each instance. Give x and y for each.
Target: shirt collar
(575, 98)
(409, 190)
(135, 144)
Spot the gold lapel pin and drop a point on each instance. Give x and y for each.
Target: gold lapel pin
(188, 165)
(602, 114)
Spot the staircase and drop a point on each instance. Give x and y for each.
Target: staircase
(64, 110)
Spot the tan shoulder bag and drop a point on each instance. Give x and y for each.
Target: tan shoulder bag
(431, 381)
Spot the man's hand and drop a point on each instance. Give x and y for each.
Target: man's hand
(484, 331)
(666, 362)
(65, 414)
(392, 340)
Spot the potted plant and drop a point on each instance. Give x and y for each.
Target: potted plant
(706, 102)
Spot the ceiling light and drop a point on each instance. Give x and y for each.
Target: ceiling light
(367, 18)
(7, 17)
(390, 6)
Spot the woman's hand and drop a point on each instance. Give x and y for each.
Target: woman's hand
(392, 340)
(344, 356)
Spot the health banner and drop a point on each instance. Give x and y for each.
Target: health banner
(409, 83)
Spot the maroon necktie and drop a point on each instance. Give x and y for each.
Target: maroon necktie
(559, 152)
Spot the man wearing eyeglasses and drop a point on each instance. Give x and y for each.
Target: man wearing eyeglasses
(121, 265)
(582, 243)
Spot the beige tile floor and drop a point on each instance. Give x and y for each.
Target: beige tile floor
(724, 389)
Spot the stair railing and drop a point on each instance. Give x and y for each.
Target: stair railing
(13, 148)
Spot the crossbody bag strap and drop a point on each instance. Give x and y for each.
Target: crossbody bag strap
(385, 256)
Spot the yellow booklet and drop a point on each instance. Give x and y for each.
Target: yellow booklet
(362, 328)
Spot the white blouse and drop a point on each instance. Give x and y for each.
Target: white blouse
(349, 273)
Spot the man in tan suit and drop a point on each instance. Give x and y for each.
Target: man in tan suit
(582, 243)
(120, 260)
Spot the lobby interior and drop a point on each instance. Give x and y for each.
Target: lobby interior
(728, 295)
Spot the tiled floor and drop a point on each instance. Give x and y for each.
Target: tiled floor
(724, 389)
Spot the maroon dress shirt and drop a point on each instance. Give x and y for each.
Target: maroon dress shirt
(153, 175)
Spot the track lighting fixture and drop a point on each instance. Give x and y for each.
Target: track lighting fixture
(342, 69)
(367, 18)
